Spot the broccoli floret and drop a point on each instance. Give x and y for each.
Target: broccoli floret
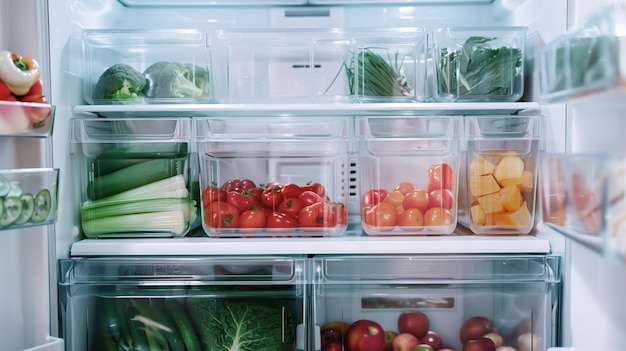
(120, 81)
(176, 80)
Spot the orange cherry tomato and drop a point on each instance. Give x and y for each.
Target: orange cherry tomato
(441, 198)
(404, 187)
(417, 198)
(440, 176)
(395, 198)
(373, 197)
(411, 219)
(382, 217)
(438, 216)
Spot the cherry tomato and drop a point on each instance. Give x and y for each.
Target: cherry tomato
(290, 206)
(256, 192)
(404, 187)
(278, 220)
(383, 217)
(245, 184)
(441, 198)
(211, 194)
(222, 214)
(272, 197)
(440, 176)
(341, 213)
(252, 219)
(417, 198)
(319, 214)
(438, 216)
(309, 197)
(231, 185)
(373, 197)
(411, 219)
(291, 191)
(395, 198)
(316, 188)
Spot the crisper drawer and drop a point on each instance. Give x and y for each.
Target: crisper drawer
(374, 303)
(216, 303)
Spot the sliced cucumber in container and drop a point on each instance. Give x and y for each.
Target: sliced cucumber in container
(5, 186)
(12, 210)
(28, 208)
(43, 206)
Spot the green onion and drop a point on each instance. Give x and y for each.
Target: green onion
(376, 76)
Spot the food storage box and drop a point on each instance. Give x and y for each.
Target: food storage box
(28, 197)
(191, 303)
(146, 66)
(499, 168)
(408, 171)
(586, 58)
(479, 64)
(400, 302)
(25, 118)
(336, 65)
(136, 176)
(273, 176)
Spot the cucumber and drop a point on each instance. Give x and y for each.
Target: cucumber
(43, 205)
(154, 333)
(174, 339)
(12, 211)
(28, 208)
(5, 186)
(110, 333)
(137, 330)
(183, 323)
(16, 189)
(123, 322)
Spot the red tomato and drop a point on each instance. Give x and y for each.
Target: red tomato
(211, 194)
(411, 219)
(290, 206)
(272, 197)
(319, 214)
(416, 198)
(222, 214)
(373, 197)
(252, 219)
(341, 213)
(441, 198)
(245, 184)
(395, 198)
(404, 187)
(383, 216)
(309, 197)
(231, 185)
(316, 188)
(440, 176)
(256, 192)
(277, 220)
(291, 191)
(243, 201)
(438, 216)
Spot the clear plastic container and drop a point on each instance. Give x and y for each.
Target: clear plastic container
(408, 174)
(28, 197)
(258, 174)
(499, 172)
(137, 177)
(587, 58)
(479, 64)
(395, 294)
(146, 66)
(190, 303)
(25, 118)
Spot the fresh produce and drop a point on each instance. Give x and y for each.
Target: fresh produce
(476, 327)
(333, 331)
(365, 335)
(423, 347)
(404, 342)
(377, 76)
(432, 339)
(389, 336)
(587, 199)
(480, 344)
(496, 338)
(413, 322)
(18, 207)
(476, 70)
(497, 193)
(333, 346)
(120, 82)
(18, 73)
(245, 208)
(553, 191)
(176, 80)
(242, 324)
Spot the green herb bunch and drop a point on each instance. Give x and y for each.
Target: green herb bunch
(478, 69)
(377, 77)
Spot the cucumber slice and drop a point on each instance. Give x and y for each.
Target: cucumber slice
(28, 207)
(5, 185)
(12, 211)
(43, 205)
(16, 189)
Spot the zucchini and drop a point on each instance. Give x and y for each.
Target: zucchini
(28, 208)
(183, 324)
(43, 206)
(12, 211)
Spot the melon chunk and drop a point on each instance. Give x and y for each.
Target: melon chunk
(519, 219)
(491, 203)
(478, 216)
(483, 184)
(509, 167)
(511, 198)
(481, 166)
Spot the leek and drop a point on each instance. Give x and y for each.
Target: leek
(175, 187)
(140, 206)
(167, 222)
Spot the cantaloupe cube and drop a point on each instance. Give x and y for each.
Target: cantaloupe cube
(511, 198)
(520, 218)
(477, 215)
(525, 183)
(480, 166)
(509, 167)
(483, 185)
(491, 203)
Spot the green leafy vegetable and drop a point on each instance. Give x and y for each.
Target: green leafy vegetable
(120, 82)
(376, 76)
(176, 80)
(242, 324)
(478, 70)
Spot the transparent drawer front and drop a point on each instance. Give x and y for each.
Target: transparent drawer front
(136, 176)
(479, 64)
(25, 118)
(146, 66)
(183, 303)
(400, 302)
(267, 176)
(408, 174)
(498, 186)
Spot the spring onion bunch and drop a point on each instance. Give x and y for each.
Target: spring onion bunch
(376, 76)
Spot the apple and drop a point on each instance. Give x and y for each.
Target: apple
(333, 331)
(365, 335)
(432, 339)
(404, 342)
(480, 344)
(333, 346)
(504, 348)
(523, 326)
(447, 350)
(527, 342)
(496, 338)
(389, 336)
(423, 347)
(414, 322)
(475, 328)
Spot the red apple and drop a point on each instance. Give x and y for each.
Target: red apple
(496, 338)
(333, 346)
(480, 344)
(475, 328)
(523, 326)
(404, 342)
(414, 322)
(389, 336)
(333, 331)
(432, 339)
(365, 335)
